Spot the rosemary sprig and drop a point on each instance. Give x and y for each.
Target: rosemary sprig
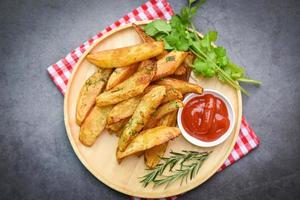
(187, 164)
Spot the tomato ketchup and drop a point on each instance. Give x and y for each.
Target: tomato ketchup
(205, 117)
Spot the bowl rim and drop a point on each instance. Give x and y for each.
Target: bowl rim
(221, 139)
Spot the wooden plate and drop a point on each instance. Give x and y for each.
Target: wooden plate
(100, 158)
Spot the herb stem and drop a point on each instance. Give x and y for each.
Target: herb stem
(247, 80)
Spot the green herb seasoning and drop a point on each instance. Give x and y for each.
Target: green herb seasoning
(117, 89)
(170, 58)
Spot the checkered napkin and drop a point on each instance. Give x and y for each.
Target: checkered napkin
(60, 71)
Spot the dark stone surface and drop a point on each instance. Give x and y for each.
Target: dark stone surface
(36, 159)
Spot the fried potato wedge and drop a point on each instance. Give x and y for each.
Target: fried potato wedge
(168, 120)
(148, 139)
(118, 126)
(123, 110)
(120, 74)
(93, 125)
(168, 64)
(126, 56)
(162, 111)
(147, 38)
(181, 70)
(141, 115)
(167, 108)
(131, 87)
(182, 86)
(92, 87)
(163, 54)
(171, 94)
(153, 156)
(142, 34)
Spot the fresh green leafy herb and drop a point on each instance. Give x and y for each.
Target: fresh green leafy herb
(170, 58)
(180, 34)
(175, 103)
(184, 166)
(154, 114)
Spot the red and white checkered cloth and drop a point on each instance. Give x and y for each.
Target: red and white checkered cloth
(60, 72)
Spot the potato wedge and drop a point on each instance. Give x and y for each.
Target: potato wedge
(126, 56)
(118, 126)
(142, 34)
(123, 110)
(163, 54)
(120, 74)
(168, 64)
(153, 156)
(180, 70)
(146, 38)
(162, 111)
(92, 87)
(93, 125)
(148, 139)
(141, 115)
(182, 86)
(184, 70)
(131, 87)
(171, 94)
(169, 119)
(167, 108)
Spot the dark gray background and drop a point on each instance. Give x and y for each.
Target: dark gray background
(36, 158)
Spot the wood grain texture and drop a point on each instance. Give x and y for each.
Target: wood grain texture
(100, 159)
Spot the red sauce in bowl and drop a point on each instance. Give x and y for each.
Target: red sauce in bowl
(205, 117)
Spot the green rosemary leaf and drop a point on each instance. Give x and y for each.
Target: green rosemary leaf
(182, 166)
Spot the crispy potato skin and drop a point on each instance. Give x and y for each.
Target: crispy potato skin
(92, 87)
(120, 74)
(172, 94)
(126, 56)
(183, 72)
(146, 38)
(131, 87)
(182, 86)
(180, 70)
(118, 126)
(152, 156)
(148, 139)
(141, 115)
(93, 125)
(163, 54)
(169, 119)
(162, 111)
(123, 110)
(168, 64)
(168, 107)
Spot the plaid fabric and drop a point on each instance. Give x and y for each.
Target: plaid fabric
(60, 72)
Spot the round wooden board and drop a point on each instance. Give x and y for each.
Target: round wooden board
(100, 159)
